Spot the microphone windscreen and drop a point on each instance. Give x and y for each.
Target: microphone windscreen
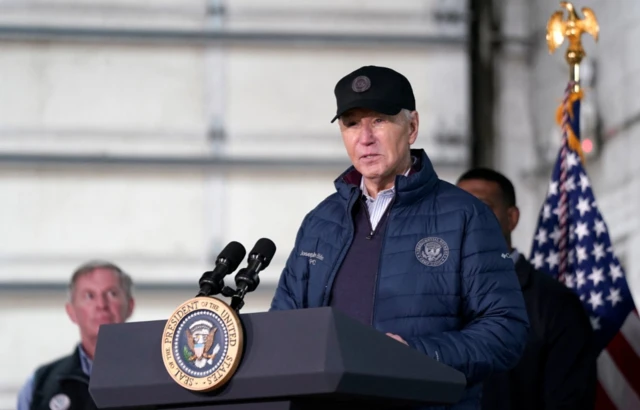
(266, 248)
(234, 253)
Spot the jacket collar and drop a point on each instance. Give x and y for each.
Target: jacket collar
(71, 368)
(421, 180)
(524, 270)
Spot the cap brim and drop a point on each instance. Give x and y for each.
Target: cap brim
(381, 106)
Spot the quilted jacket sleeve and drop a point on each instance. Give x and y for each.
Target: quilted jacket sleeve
(289, 293)
(496, 330)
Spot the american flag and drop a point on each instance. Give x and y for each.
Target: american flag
(572, 244)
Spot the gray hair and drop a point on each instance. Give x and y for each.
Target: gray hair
(407, 114)
(126, 283)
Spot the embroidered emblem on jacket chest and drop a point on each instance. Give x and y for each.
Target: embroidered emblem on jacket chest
(432, 251)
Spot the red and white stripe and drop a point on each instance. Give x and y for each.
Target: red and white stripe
(619, 369)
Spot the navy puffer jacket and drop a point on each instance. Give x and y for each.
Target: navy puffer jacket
(467, 312)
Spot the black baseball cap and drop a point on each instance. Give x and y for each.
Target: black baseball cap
(380, 89)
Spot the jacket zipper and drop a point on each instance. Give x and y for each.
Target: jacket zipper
(338, 262)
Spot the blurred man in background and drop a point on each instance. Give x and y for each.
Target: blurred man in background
(558, 368)
(399, 249)
(99, 293)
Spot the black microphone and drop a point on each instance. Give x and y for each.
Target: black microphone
(247, 279)
(212, 282)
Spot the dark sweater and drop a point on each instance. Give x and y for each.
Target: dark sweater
(355, 284)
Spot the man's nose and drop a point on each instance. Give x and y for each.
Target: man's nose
(366, 136)
(103, 302)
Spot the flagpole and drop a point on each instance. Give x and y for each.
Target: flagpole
(572, 29)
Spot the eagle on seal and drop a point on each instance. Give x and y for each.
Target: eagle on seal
(199, 346)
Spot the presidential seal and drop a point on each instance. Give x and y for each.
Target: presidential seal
(202, 344)
(361, 84)
(432, 251)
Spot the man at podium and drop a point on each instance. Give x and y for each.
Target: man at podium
(99, 293)
(400, 250)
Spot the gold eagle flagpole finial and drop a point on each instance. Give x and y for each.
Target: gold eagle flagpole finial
(572, 28)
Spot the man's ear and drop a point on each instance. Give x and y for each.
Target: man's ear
(513, 216)
(132, 304)
(71, 312)
(414, 124)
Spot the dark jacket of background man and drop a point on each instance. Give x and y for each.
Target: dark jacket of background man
(558, 367)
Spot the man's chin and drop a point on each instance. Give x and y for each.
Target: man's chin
(373, 175)
(101, 322)
(369, 172)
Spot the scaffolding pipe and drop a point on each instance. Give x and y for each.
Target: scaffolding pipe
(187, 162)
(24, 33)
